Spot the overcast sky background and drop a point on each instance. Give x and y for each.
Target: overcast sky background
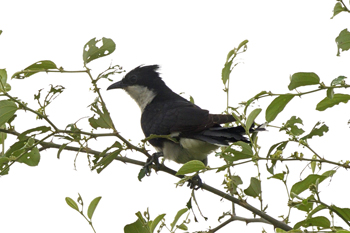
(190, 40)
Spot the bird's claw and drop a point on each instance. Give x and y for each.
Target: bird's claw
(154, 159)
(195, 182)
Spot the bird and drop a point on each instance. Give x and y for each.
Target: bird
(197, 133)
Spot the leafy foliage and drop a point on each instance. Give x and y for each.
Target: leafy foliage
(303, 79)
(92, 49)
(39, 66)
(330, 102)
(277, 106)
(190, 167)
(343, 41)
(304, 195)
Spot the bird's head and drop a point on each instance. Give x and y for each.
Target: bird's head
(142, 84)
(144, 76)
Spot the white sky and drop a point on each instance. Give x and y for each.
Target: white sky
(190, 40)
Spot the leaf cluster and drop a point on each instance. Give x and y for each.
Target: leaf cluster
(303, 196)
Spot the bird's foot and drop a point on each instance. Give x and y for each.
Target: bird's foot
(154, 159)
(195, 182)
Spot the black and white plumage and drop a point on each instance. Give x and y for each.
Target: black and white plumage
(166, 113)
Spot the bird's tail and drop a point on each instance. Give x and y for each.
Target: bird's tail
(222, 136)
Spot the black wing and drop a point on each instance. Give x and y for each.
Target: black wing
(166, 117)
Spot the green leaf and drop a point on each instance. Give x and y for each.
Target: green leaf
(93, 206)
(318, 208)
(31, 158)
(251, 118)
(60, 149)
(7, 110)
(136, 227)
(191, 166)
(183, 227)
(156, 221)
(3, 163)
(142, 173)
(303, 79)
(92, 50)
(295, 130)
(189, 204)
(251, 100)
(303, 185)
(72, 203)
(245, 152)
(277, 106)
(316, 221)
(306, 205)
(278, 176)
(4, 86)
(343, 41)
(328, 103)
(104, 120)
(254, 188)
(279, 145)
(342, 212)
(243, 43)
(16, 147)
(3, 135)
(233, 184)
(106, 160)
(235, 50)
(140, 217)
(317, 130)
(313, 164)
(338, 81)
(226, 71)
(3, 76)
(41, 129)
(177, 217)
(191, 99)
(337, 9)
(35, 68)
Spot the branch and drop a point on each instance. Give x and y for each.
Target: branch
(47, 145)
(31, 110)
(237, 218)
(165, 169)
(345, 165)
(322, 87)
(345, 7)
(242, 203)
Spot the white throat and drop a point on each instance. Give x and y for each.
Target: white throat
(142, 95)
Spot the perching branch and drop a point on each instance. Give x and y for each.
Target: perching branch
(244, 204)
(237, 218)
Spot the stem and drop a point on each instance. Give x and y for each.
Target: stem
(294, 159)
(237, 218)
(87, 133)
(97, 90)
(344, 6)
(31, 110)
(90, 222)
(299, 93)
(307, 146)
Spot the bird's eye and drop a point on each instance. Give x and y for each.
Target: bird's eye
(133, 79)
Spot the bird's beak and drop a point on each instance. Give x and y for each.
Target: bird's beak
(116, 85)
